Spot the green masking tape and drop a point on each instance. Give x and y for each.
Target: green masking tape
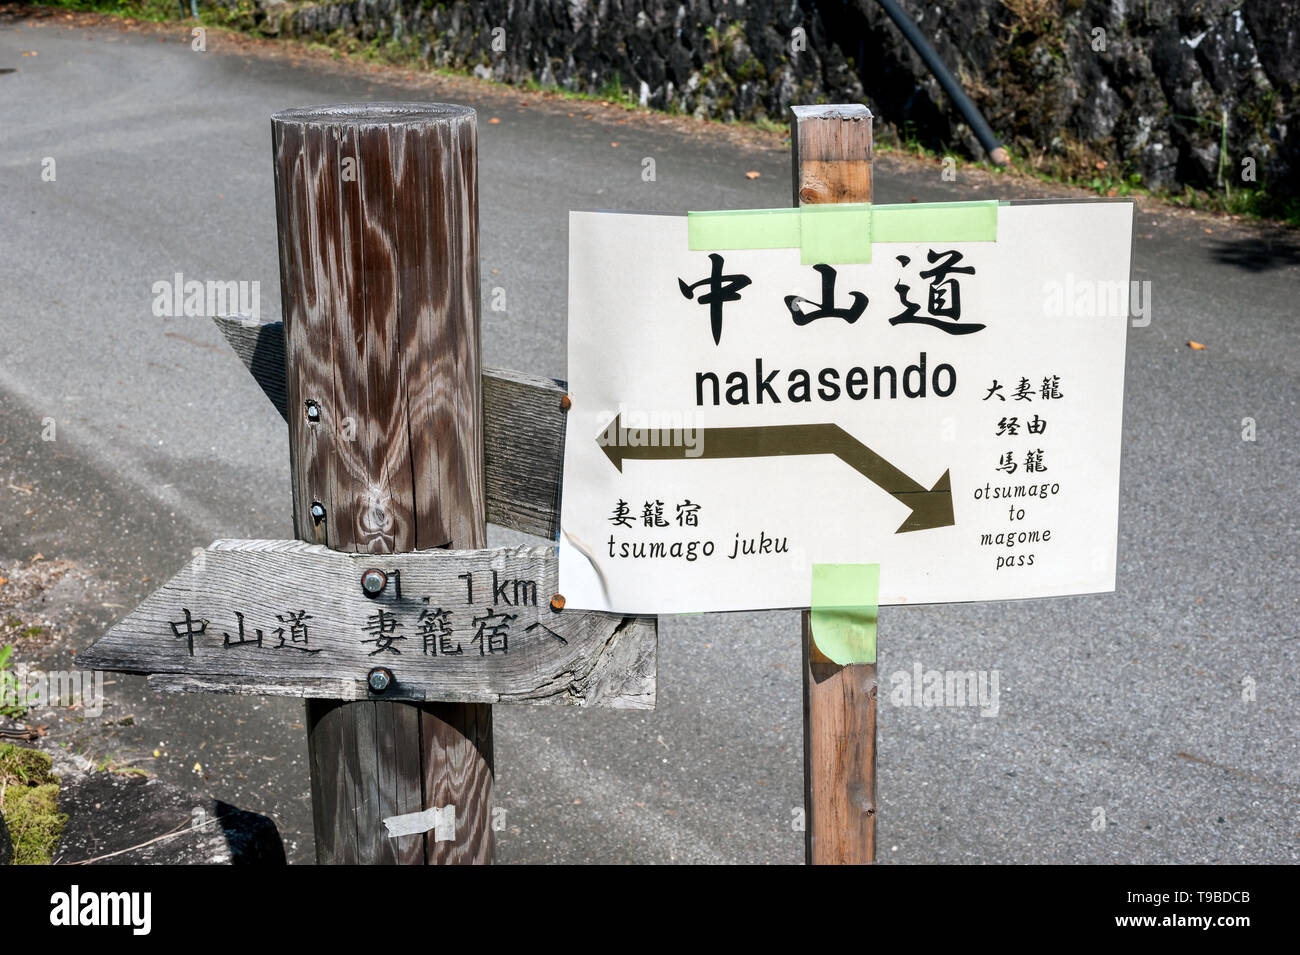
(830, 236)
(747, 228)
(844, 599)
(842, 233)
(936, 222)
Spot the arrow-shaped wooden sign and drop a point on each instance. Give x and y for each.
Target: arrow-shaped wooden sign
(286, 618)
(931, 507)
(523, 428)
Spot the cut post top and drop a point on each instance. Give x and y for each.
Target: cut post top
(377, 114)
(830, 148)
(848, 111)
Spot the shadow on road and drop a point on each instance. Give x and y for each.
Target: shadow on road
(1259, 254)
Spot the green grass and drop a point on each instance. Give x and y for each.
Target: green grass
(111, 763)
(158, 11)
(30, 804)
(1257, 203)
(9, 688)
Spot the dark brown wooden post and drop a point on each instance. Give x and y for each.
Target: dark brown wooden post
(831, 151)
(378, 225)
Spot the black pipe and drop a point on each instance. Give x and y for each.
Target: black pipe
(997, 153)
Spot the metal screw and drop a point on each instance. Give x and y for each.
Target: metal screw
(379, 679)
(566, 403)
(557, 602)
(317, 511)
(313, 411)
(373, 582)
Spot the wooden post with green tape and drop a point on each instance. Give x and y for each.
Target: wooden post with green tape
(831, 151)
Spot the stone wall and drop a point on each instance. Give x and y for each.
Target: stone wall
(1141, 86)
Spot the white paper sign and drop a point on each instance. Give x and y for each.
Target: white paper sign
(822, 427)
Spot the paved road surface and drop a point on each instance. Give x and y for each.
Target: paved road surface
(1130, 702)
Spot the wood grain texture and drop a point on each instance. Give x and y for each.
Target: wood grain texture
(260, 346)
(381, 324)
(462, 777)
(830, 150)
(440, 645)
(839, 718)
(523, 429)
(377, 209)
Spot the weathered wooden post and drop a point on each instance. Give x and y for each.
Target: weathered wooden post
(378, 227)
(387, 614)
(830, 149)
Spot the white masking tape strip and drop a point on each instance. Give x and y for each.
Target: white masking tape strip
(440, 819)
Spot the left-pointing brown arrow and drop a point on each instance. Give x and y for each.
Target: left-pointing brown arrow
(931, 507)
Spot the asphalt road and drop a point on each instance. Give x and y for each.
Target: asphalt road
(1130, 702)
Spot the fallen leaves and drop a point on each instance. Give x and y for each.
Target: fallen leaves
(1196, 346)
(752, 174)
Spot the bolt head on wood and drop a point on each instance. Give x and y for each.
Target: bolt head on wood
(313, 412)
(380, 679)
(317, 512)
(373, 582)
(566, 403)
(557, 602)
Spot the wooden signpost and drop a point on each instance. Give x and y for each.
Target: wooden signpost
(401, 629)
(388, 614)
(287, 618)
(831, 161)
(839, 406)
